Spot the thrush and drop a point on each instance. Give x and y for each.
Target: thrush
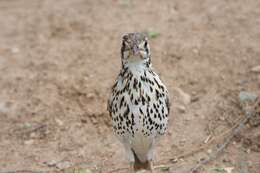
(139, 103)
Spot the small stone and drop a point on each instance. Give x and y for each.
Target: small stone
(84, 121)
(33, 135)
(228, 169)
(50, 163)
(196, 114)
(15, 50)
(3, 107)
(201, 159)
(169, 133)
(181, 159)
(202, 116)
(165, 168)
(63, 165)
(29, 142)
(195, 50)
(188, 117)
(209, 151)
(222, 118)
(256, 69)
(182, 142)
(27, 125)
(174, 56)
(195, 99)
(181, 108)
(90, 96)
(225, 160)
(245, 96)
(82, 170)
(94, 120)
(250, 164)
(186, 98)
(59, 122)
(174, 160)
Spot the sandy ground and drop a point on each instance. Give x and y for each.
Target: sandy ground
(58, 60)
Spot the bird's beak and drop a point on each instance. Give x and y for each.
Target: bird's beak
(135, 50)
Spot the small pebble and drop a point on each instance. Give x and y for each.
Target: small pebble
(256, 69)
(247, 96)
(50, 163)
(3, 107)
(63, 165)
(15, 50)
(186, 98)
(29, 142)
(194, 99)
(182, 142)
(250, 163)
(59, 122)
(222, 118)
(228, 169)
(181, 108)
(225, 160)
(195, 50)
(91, 96)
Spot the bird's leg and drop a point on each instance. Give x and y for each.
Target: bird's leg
(132, 170)
(150, 164)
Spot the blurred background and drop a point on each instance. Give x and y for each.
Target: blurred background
(58, 60)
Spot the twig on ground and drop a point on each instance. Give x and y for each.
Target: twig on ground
(117, 170)
(37, 128)
(223, 146)
(203, 147)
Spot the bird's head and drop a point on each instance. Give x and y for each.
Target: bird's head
(135, 49)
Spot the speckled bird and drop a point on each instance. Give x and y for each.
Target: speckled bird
(139, 104)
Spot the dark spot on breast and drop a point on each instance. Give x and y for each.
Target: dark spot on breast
(143, 100)
(125, 115)
(151, 89)
(157, 94)
(121, 102)
(135, 84)
(140, 110)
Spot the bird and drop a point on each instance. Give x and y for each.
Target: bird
(139, 103)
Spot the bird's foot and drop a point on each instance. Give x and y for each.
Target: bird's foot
(132, 169)
(150, 163)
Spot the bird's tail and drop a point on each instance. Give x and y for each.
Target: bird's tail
(138, 165)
